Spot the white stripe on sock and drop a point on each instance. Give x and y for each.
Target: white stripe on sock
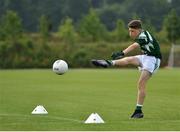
(139, 105)
(113, 62)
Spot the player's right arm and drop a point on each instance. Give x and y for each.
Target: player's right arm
(121, 54)
(130, 48)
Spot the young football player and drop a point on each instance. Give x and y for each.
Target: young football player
(148, 62)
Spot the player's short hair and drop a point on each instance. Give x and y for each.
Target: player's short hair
(136, 24)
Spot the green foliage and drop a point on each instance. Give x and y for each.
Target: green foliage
(161, 36)
(120, 33)
(109, 14)
(44, 27)
(109, 10)
(172, 26)
(11, 26)
(135, 16)
(81, 58)
(17, 54)
(77, 45)
(67, 32)
(148, 26)
(25, 53)
(31, 54)
(75, 8)
(91, 27)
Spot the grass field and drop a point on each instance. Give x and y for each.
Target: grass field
(72, 97)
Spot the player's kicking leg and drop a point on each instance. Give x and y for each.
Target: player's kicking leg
(102, 63)
(120, 62)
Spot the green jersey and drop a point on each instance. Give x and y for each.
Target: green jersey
(148, 44)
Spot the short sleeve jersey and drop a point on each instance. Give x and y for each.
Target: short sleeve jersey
(148, 44)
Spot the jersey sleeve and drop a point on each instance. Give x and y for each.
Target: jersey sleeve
(142, 39)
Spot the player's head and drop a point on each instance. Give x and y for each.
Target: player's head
(135, 27)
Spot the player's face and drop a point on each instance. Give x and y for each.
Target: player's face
(133, 33)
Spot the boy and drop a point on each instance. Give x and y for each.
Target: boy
(148, 62)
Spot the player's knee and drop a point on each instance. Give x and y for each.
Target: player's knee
(126, 62)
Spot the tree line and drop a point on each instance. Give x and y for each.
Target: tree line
(76, 43)
(109, 11)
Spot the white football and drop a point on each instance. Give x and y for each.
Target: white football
(60, 67)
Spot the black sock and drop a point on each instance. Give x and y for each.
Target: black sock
(138, 108)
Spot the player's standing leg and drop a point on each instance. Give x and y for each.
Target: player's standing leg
(144, 77)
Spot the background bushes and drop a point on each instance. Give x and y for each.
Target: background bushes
(76, 44)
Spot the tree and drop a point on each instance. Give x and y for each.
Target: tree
(120, 33)
(11, 26)
(109, 14)
(67, 31)
(172, 26)
(45, 27)
(148, 26)
(91, 27)
(75, 9)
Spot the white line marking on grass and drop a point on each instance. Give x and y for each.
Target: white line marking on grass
(63, 118)
(46, 116)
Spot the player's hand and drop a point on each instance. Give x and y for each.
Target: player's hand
(117, 55)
